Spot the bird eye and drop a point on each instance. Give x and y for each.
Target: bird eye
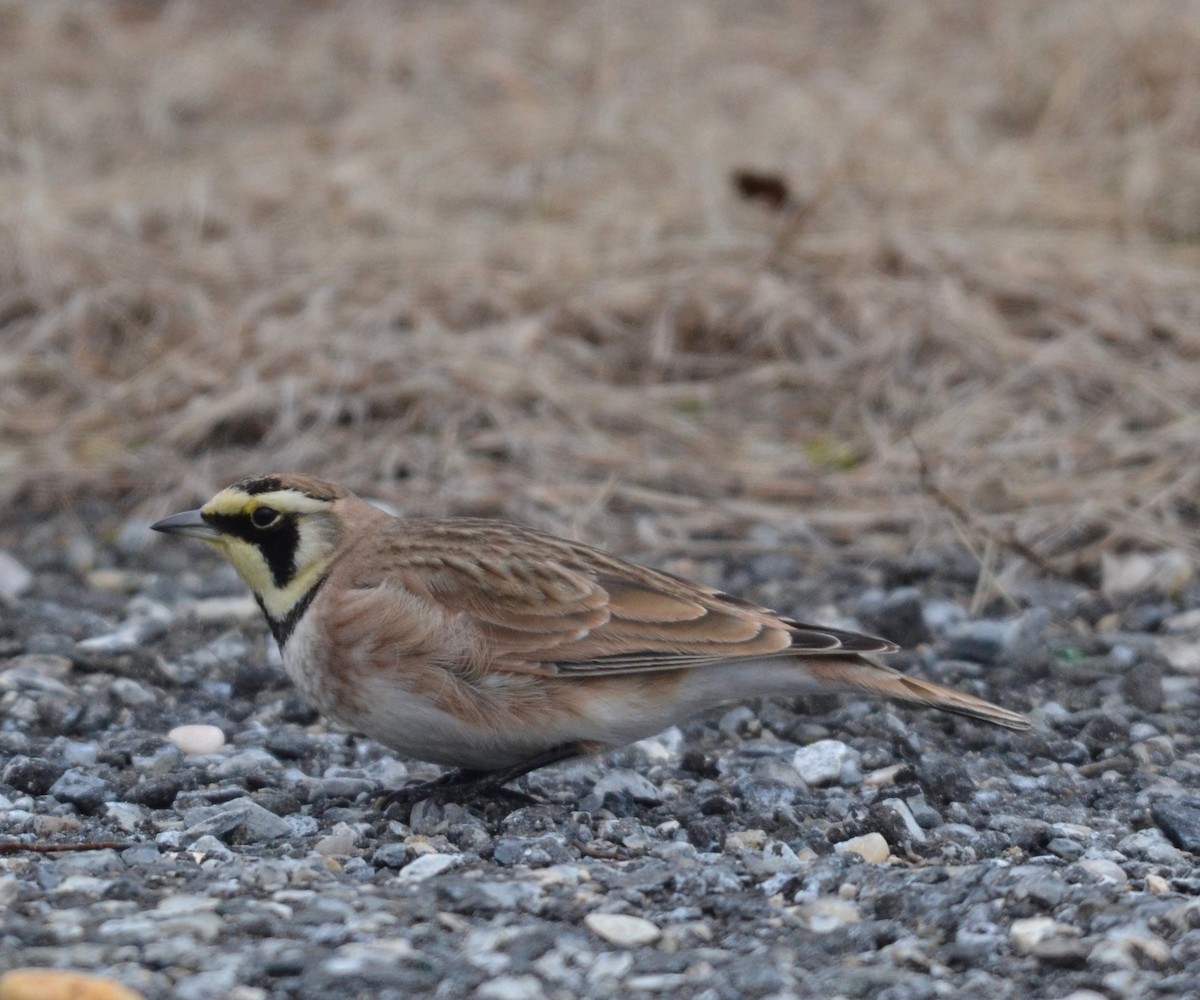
(264, 517)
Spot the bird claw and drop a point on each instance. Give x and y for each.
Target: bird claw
(462, 784)
(455, 786)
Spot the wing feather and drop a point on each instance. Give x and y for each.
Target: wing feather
(548, 605)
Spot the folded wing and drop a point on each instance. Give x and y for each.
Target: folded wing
(547, 605)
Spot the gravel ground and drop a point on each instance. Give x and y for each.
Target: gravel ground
(826, 848)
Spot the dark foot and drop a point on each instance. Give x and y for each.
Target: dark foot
(461, 784)
(455, 786)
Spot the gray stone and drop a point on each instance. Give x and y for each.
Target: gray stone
(907, 821)
(209, 846)
(126, 815)
(33, 775)
(43, 673)
(394, 855)
(624, 782)
(76, 753)
(925, 815)
(511, 895)
(901, 618)
(1151, 845)
(379, 959)
(1142, 685)
(84, 791)
(537, 852)
(148, 620)
(241, 820)
(205, 985)
(250, 763)
(1041, 887)
(1065, 848)
(979, 640)
(1180, 821)
(338, 788)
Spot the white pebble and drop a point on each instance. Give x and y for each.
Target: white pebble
(622, 929)
(1027, 932)
(827, 913)
(340, 841)
(511, 988)
(870, 847)
(1157, 884)
(1167, 573)
(1103, 870)
(197, 739)
(821, 763)
(127, 815)
(15, 579)
(428, 866)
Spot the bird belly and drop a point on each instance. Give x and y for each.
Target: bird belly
(424, 711)
(502, 719)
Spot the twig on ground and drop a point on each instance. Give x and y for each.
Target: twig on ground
(41, 847)
(1006, 541)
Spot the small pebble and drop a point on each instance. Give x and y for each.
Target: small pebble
(1180, 821)
(87, 792)
(511, 988)
(905, 816)
(979, 640)
(1103, 870)
(195, 739)
(1126, 575)
(339, 843)
(622, 929)
(15, 579)
(147, 621)
(622, 781)
(827, 914)
(870, 847)
(1157, 884)
(1029, 931)
(1151, 845)
(821, 763)
(428, 866)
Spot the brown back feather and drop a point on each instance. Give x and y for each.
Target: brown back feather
(547, 604)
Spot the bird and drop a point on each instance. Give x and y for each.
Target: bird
(495, 649)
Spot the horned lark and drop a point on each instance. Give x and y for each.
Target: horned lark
(498, 649)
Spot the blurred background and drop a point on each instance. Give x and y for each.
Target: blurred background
(666, 276)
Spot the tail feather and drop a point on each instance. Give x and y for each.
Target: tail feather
(872, 678)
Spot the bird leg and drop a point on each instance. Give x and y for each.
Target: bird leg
(463, 783)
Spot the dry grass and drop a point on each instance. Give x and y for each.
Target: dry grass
(486, 257)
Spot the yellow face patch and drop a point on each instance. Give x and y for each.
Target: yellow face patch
(279, 558)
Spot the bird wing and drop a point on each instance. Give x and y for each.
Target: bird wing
(551, 606)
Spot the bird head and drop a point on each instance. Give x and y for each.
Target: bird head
(278, 531)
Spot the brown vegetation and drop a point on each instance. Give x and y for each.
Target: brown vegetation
(497, 258)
